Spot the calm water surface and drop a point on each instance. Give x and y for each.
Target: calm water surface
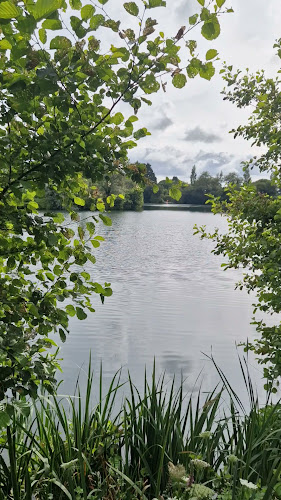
(171, 301)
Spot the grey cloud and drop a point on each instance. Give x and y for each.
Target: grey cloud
(161, 123)
(166, 162)
(184, 9)
(197, 134)
(213, 161)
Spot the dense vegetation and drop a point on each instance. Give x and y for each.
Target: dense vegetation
(64, 144)
(60, 130)
(126, 194)
(130, 195)
(253, 239)
(160, 444)
(200, 186)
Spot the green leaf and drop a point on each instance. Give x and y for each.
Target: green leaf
(96, 21)
(150, 85)
(155, 189)
(75, 4)
(50, 341)
(4, 419)
(132, 8)
(5, 44)
(106, 220)
(100, 206)
(147, 101)
(42, 35)
(8, 10)
(26, 24)
(142, 132)
(90, 228)
(211, 29)
(80, 313)
(117, 119)
(79, 201)
(103, 2)
(179, 80)
(175, 193)
(194, 67)
(87, 11)
(220, 3)
(60, 42)
(81, 233)
(62, 335)
(70, 309)
(193, 19)
(207, 71)
(156, 3)
(211, 54)
(52, 24)
(44, 8)
(33, 310)
(202, 2)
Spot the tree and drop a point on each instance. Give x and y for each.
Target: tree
(193, 175)
(253, 240)
(246, 174)
(233, 178)
(150, 175)
(265, 186)
(59, 125)
(197, 193)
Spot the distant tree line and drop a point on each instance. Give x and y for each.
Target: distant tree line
(128, 195)
(195, 193)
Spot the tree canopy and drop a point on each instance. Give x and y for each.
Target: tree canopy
(61, 82)
(252, 241)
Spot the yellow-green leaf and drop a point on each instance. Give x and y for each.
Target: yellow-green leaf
(211, 54)
(43, 8)
(5, 44)
(43, 35)
(87, 11)
(8, 10)
(175, 193)
(79, 201)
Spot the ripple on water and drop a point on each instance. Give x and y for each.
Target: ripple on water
(171, 300)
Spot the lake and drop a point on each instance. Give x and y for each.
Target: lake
(171, 300)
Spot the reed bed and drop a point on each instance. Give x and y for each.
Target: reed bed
(67, 449)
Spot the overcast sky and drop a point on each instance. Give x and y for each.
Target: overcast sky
(191, 126)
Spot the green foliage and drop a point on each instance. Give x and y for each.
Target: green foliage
(196, 193)
(59, 136)
(252, 241)
(132, 8)
(179, 80)
(160, 442)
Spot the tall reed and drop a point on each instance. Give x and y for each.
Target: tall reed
(69, 448)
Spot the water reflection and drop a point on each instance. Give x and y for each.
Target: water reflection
(171, 301)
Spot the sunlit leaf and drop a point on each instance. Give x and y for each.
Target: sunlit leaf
(211, 54)
(8, 10)
(87, 11)
(43, 8)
